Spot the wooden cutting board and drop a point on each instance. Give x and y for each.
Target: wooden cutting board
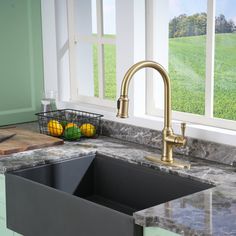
(26, 140)
(5, 134)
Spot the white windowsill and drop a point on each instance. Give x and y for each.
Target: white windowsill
(208, 133)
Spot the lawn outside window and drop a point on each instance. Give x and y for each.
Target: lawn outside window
(200, 64)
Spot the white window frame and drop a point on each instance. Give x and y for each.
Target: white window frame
(208, 118)
(100, 41)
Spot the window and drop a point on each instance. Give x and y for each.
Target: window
(93, 50)
(187, 57)
(199, 57)
(195, 42)
(225, 59)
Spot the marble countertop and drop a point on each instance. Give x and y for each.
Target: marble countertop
(209, 212)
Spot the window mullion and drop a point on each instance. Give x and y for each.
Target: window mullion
(149, 24)
(94, 39)
(210, 55)
(157, 31)
(100, 49)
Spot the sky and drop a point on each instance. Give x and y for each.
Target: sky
(189, 7)
(177, 7)
(109, 16)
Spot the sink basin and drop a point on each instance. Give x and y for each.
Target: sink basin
(93, 195)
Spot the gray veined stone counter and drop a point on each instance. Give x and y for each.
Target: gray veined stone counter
(209, 212)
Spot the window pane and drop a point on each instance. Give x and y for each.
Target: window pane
(187, 45)
(84, 17)
(85, 68)
(109, 18)
(225, 60)
(110, 71)
(94, 16)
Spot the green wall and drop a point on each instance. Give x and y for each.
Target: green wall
(21, 60)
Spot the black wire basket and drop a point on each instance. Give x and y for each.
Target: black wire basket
(70, 124)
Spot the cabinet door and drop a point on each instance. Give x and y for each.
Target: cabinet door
(156, 231)
(4, 231)
(21, 61)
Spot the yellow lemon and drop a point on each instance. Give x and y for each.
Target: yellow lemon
(55, 128)
(88, 130)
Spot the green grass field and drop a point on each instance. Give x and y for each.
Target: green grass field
(109, 71)
(187, 73)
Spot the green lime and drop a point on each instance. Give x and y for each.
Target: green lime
(72, 133)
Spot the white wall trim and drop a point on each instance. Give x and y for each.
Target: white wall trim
(71, 37)
(157, 26)
(49, 45)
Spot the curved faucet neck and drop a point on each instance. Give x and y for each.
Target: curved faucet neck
(167, 89)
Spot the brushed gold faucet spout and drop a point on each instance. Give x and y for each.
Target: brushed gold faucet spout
(167, 93)
(169, 138)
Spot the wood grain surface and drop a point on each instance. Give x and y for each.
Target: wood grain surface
(26, 140)
(5, 134)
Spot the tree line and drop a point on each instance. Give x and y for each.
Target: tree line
(196, 24)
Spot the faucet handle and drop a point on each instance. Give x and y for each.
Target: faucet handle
(183, 128)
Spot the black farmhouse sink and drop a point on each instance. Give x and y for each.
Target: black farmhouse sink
(90, 196)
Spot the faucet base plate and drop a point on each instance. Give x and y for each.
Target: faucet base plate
(178, 164)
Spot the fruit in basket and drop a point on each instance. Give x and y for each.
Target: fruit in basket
(68, 125)
(55, 128)
(63, 123)
(88, 130)
(72, 132)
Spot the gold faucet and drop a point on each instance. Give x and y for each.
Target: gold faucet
(169, 139)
